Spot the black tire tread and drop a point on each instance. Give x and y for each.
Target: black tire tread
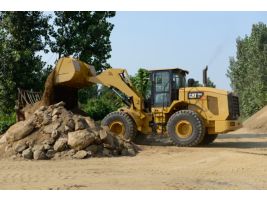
(199, 126)
(130, 135)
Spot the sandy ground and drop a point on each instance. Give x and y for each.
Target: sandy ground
(234, 161)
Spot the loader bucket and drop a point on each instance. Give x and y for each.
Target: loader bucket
(73, 73)
(65, 80)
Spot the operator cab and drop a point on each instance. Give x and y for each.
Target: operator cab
(165, 85)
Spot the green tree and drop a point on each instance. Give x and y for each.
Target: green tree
(83, 35)
(141, 82)
(248, 71)
(22, 36)
(87, 93)
(209, 84)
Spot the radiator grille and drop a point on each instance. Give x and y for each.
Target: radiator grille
(233, 105)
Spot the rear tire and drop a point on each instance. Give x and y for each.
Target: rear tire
(121, 124)
(208, 139)
(186, 128)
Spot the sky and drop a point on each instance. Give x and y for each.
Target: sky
(187, 40)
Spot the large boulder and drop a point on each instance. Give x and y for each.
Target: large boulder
(50, 153)
(110, 140)
(80, 154)
(38, 147)
(19, 131)
(51, 127)
(61, 144)
(71, 124)
(27, 153)
(90, 123)
(56, 111)
(92, 148)
(47, 118)
(80, 139)
(106, 152)
(39, 155)
(103, 134)
(20, 147)
(80, 124)
(55, 134)
(49, 141)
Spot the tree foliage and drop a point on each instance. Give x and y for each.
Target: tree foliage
(6, 121)
(141, 82)
(248, 71)
(87, 93)
(210, 83)
(83, 35)
(22, 35)
(102, 104)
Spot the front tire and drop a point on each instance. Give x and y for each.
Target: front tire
(121, 124)
(186, 128)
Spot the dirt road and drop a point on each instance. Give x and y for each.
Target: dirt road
(234, 161)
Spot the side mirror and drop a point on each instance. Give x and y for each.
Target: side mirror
(191, 82)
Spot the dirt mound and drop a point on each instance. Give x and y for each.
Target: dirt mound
(53, 94)
(257, 123)
(48, 95)
(54, 132)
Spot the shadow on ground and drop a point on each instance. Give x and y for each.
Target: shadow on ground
(153, 140)
(220, 142)
(239, 145)
(243, 135)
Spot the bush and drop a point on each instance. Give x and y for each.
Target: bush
(98, 108)
(6, 121)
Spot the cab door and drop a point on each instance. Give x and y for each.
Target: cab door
(161, 89)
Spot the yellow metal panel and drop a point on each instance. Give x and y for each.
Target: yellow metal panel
(213, 105)
(225, 126)
(73, 73)
(202, 103)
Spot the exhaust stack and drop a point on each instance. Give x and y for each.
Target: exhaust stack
(205, 76)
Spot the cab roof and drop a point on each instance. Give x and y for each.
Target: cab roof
(170, 69)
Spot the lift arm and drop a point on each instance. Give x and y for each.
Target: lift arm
(77, 74)
(119, 79)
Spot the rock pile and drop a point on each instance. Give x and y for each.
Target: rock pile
(53, 132)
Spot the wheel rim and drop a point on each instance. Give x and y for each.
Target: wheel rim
(184, 129)
(117, 127)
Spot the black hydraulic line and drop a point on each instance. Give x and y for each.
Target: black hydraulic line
(124, 100)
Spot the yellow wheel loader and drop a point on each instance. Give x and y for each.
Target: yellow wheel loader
(190, 115)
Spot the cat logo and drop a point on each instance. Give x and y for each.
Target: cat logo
(195, 95)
